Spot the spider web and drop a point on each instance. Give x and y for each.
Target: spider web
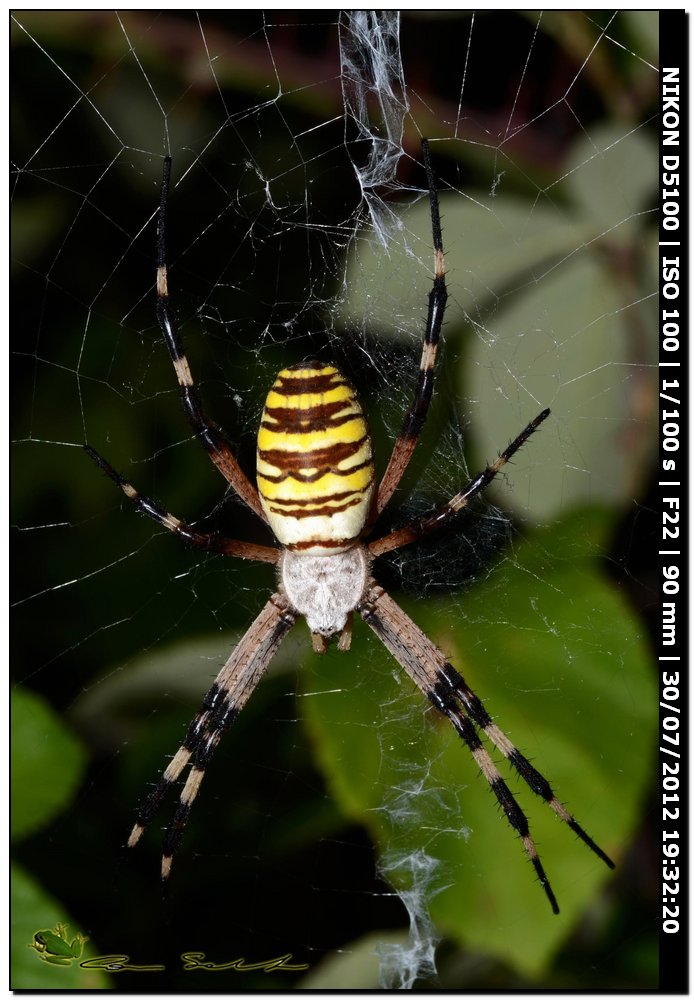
(299, 227)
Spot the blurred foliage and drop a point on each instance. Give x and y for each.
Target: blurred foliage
(118, 628)
(47, 765)
(567, 674)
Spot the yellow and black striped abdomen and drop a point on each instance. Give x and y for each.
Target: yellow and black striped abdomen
(315, 466)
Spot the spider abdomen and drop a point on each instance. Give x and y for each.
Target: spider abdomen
(314, 466)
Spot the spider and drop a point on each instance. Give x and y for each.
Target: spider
(316, 489)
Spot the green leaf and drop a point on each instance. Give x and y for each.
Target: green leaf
(491, 243)
(553, 650)
(47, 763)
(645, 27)
(33, 909)
(357, 965)
(611, 175)
(579, 361)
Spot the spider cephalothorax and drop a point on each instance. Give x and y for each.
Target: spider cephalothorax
(317, 493)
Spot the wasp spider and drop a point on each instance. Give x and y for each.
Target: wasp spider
(316, 490)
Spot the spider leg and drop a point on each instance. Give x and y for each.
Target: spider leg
(221, 706)
(448, 692)
(530, 775)
(208, 433)
(416, 415)
(415, 530)
(210, 543)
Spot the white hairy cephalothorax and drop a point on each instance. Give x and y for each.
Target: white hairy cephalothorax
(325, 589)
